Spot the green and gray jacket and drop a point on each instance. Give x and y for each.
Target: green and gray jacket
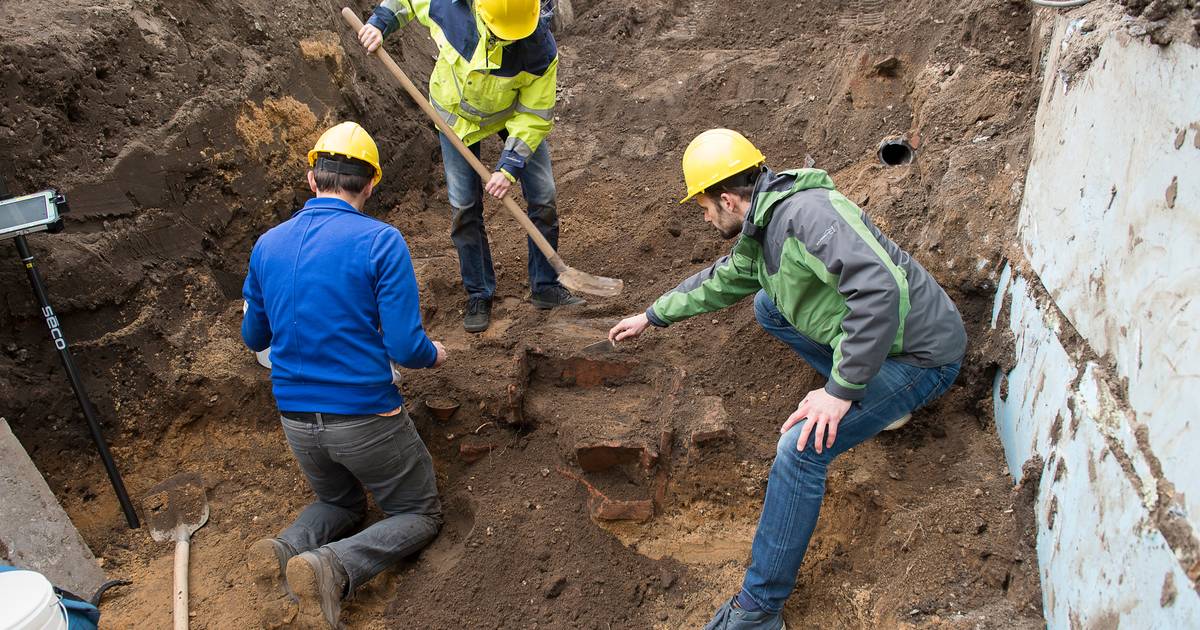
(834, 276)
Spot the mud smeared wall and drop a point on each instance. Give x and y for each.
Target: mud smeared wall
(1102, 303)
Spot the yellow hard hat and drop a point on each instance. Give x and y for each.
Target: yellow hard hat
(715, 155)
(510, 19)
(350, 140)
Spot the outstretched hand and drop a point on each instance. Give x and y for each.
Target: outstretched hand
(821, 412)
(628, 328)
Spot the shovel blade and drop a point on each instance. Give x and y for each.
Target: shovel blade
(581, 282)
(177, 506)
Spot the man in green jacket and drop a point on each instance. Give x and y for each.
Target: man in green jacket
(848, 300)
(496, 73)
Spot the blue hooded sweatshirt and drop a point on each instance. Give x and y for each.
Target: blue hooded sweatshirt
(332, 292)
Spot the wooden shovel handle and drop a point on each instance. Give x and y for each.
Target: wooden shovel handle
(484, 174)
(183, 546)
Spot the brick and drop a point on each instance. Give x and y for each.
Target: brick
(604, 454)
(583, 372)
(713, 424)
(473, 452)
(663, 478)
(515, 392)
(602, 508)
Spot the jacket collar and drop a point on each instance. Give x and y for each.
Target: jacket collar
(328, 203)
(773, 187)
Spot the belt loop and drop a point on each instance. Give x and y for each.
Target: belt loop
(320, 421)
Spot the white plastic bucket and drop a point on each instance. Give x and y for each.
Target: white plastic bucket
(28, 602)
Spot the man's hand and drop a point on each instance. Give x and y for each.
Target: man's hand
(628, 328)
(498, 185)
(370, 37)
(823, 412)
(441, 354)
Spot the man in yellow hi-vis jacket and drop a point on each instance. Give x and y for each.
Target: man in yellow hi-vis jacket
(496, 72)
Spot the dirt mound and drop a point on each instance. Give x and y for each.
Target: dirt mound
(179, 130)
(1165, 21)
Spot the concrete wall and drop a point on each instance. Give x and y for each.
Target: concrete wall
(1104, 306)
(35, 532)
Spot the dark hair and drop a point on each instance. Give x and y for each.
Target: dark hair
(740, 184)
(338, 173)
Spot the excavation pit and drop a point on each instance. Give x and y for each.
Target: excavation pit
(180, 134)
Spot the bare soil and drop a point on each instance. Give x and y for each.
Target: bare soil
(178, 130)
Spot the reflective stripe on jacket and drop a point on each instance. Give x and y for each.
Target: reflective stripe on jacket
(481, 85)
(834, 276)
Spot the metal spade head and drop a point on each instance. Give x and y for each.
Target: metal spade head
(603, 346)
(176, 508)
(581, 282)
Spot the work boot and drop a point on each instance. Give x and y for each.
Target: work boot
(898, 423)
(555, 296)
(478, 316)
(319, 582)
(730, 617)
(267, 560)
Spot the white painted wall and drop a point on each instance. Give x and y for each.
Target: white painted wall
(1110, 229)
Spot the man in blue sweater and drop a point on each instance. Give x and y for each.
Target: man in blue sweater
(332, 293)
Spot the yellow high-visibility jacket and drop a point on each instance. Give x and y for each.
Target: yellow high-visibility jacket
(482, 85)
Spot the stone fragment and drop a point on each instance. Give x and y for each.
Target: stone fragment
(887, 67)
(556, 586)
(667, 578)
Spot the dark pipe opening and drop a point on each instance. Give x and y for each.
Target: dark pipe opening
(896, 152)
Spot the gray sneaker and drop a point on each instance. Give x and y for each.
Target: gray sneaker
(319, 582)
(267, 560)
(554, 297)
(729, 617)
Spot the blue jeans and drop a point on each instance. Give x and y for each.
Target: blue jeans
(796, 485)
(467, 230)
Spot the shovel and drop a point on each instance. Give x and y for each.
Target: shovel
(570, 277)
(174, 510)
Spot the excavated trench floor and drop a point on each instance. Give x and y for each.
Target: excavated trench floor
(584, 487)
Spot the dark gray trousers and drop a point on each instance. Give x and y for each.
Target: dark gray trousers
(387, 457)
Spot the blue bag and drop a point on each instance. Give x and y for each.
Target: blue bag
(81, 614)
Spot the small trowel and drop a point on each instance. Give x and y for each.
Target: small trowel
(603, 346)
